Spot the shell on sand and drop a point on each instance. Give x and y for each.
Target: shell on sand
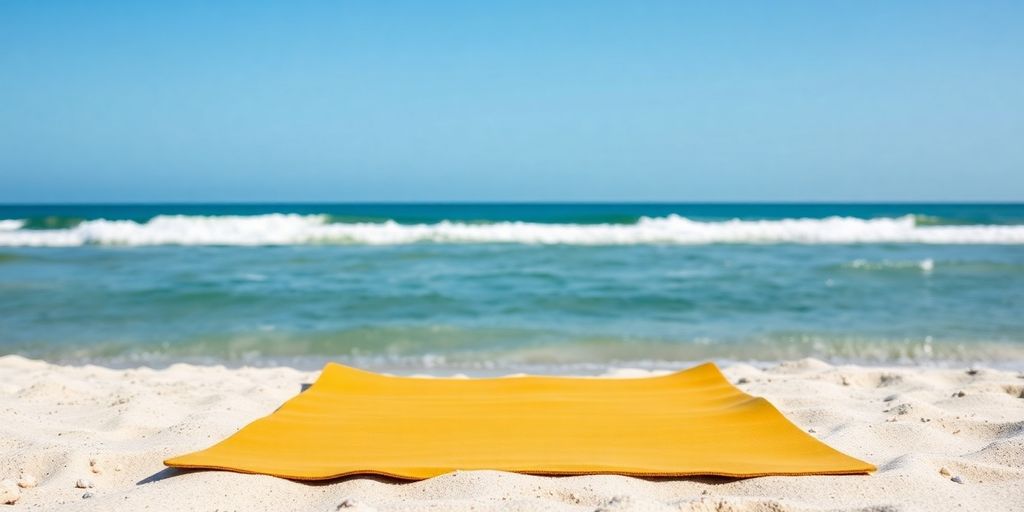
(27, 480)
(9, 492)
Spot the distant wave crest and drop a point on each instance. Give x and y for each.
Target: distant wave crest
(926, 265)
(11, 224)
(293, 229)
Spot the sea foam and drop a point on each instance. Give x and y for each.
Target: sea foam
(11, 224)
(293, 229)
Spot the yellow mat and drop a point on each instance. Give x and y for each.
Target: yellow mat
(688, 423)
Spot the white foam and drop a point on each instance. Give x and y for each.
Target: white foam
(926, 265)
(11, 224)
(291, 229)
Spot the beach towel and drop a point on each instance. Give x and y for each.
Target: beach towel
(692, 422)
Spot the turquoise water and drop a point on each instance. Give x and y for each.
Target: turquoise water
(481, 286)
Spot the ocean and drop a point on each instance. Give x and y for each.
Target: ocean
(507, 287)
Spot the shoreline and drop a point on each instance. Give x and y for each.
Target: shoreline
(499, 364)
(111, 428)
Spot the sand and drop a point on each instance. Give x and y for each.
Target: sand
(92, 438)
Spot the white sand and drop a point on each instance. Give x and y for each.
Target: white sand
(108, 431)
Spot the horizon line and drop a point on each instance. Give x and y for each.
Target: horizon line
(517, 202)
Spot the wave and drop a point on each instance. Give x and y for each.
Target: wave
(925, 266)
(294, 229)
(11, 224)
(51, 222)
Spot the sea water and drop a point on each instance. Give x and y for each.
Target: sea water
(529, 286)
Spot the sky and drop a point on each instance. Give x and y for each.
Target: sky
(511, 101)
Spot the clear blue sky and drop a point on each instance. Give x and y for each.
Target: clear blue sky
(490, 101)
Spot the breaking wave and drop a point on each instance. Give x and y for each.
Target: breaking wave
(11, 224)
(293, 229)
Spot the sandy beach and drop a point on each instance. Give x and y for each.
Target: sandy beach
(92, 438)
(816, 207)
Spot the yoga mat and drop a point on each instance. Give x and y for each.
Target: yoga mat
(692, 422)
